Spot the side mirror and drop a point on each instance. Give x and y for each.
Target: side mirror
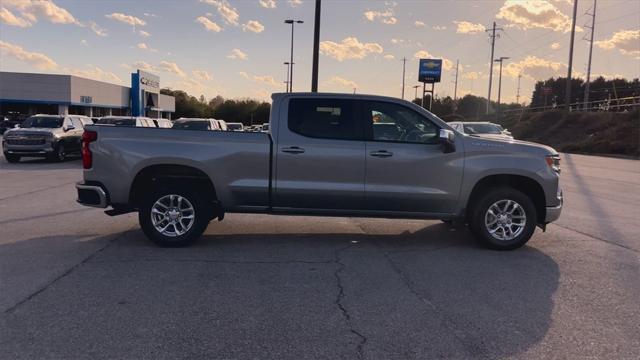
(16, 126)
(68, 127)
(447, 139)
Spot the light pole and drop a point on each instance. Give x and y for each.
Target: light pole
(499, 60)
(292, 22)
(288, 65)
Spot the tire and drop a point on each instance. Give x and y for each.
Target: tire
(12, 158)
(504, 230)
(175, 234)
(59, 154)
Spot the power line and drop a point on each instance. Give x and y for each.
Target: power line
(492, 36)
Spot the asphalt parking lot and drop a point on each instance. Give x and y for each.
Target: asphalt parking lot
(75, 283)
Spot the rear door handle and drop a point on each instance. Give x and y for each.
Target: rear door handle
(381, 153)
(293, 150)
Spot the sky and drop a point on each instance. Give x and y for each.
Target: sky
(236, 49)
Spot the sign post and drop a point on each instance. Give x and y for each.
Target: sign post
(429, 71)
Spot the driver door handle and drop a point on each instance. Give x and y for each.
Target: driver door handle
(381, 153)
(293, 150)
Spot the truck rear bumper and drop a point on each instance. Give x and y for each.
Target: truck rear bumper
(92, 195)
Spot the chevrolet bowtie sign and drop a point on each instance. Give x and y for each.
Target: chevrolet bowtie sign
(430, 70)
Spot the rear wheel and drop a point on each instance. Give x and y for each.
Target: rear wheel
(503, 219)
(59, 154)
(12, 158)
(173, 217)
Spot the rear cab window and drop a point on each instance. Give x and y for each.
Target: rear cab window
(324, 118)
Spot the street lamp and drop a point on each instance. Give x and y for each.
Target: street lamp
(499, 60)
(292, 22)
(288, 64)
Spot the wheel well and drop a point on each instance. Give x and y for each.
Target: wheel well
(526, 185)
(158, 175)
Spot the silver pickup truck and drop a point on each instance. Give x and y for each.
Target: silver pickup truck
(325, 154)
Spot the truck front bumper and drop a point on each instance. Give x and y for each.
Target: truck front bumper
(92, 195)
(553, 212)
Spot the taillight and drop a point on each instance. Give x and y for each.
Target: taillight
(87, 138)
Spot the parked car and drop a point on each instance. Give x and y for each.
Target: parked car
(323, 157)
(235, 126)
(163, 123)
(196, 124)
(50, 136)
(265, 127)
(130, 121)
(222, 124)
(485, 129)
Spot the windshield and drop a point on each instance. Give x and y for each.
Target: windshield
(482, 129)
(42, 122)
(191, 125)
(117, 121)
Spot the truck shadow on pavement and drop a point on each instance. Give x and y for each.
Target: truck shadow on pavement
(423, 294)
(28, 164)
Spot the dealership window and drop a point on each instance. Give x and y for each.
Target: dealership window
(323, 118)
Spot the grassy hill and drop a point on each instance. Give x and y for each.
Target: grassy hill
(605, 133)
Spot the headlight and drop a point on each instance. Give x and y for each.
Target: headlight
(554, 162)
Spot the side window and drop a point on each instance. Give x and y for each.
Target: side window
(77, 123)
(323, 118)
(397, 123)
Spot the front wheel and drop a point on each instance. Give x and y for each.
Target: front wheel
(173, 217)
(59, 154)
(503, 219)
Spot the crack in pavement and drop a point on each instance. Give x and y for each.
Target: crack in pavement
(474, 348)
(66, 273)
(340, 305)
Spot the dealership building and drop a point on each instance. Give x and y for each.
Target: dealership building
(29, 93)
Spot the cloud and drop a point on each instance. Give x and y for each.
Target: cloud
(144, 34)
(465, 27)
(389, 57)
(439, 27)
(269, 4)
(295, 3)
(349, 48)
(238, 55)
(143, 46)
(225, 10)
(84, 42)
(39, 60)
(144, 66)
(253, 26)
(471, 75)
(32, 10)
(535, 14)
(208, 24)
(127, 19)
(627, 41)
(262, 79)
(97, 29)
(341, 82)
(96, 73)
(535, 68)
(8, 18)
(555, 46)
(201, 75)
(171, 67)
(386, 17)
(418, 23)
(150, 15)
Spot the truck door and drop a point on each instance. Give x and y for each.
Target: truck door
(319, 156)
(407, 171)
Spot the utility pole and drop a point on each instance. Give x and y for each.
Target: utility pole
(292, 22)
(415, 88)
(493, 44)
(404, 65)
(500, 60)
(316, 48)
(455, 87)
(567, 100)
(518, 91)
(586, 86)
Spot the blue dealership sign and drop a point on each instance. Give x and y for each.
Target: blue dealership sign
(430, 70)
